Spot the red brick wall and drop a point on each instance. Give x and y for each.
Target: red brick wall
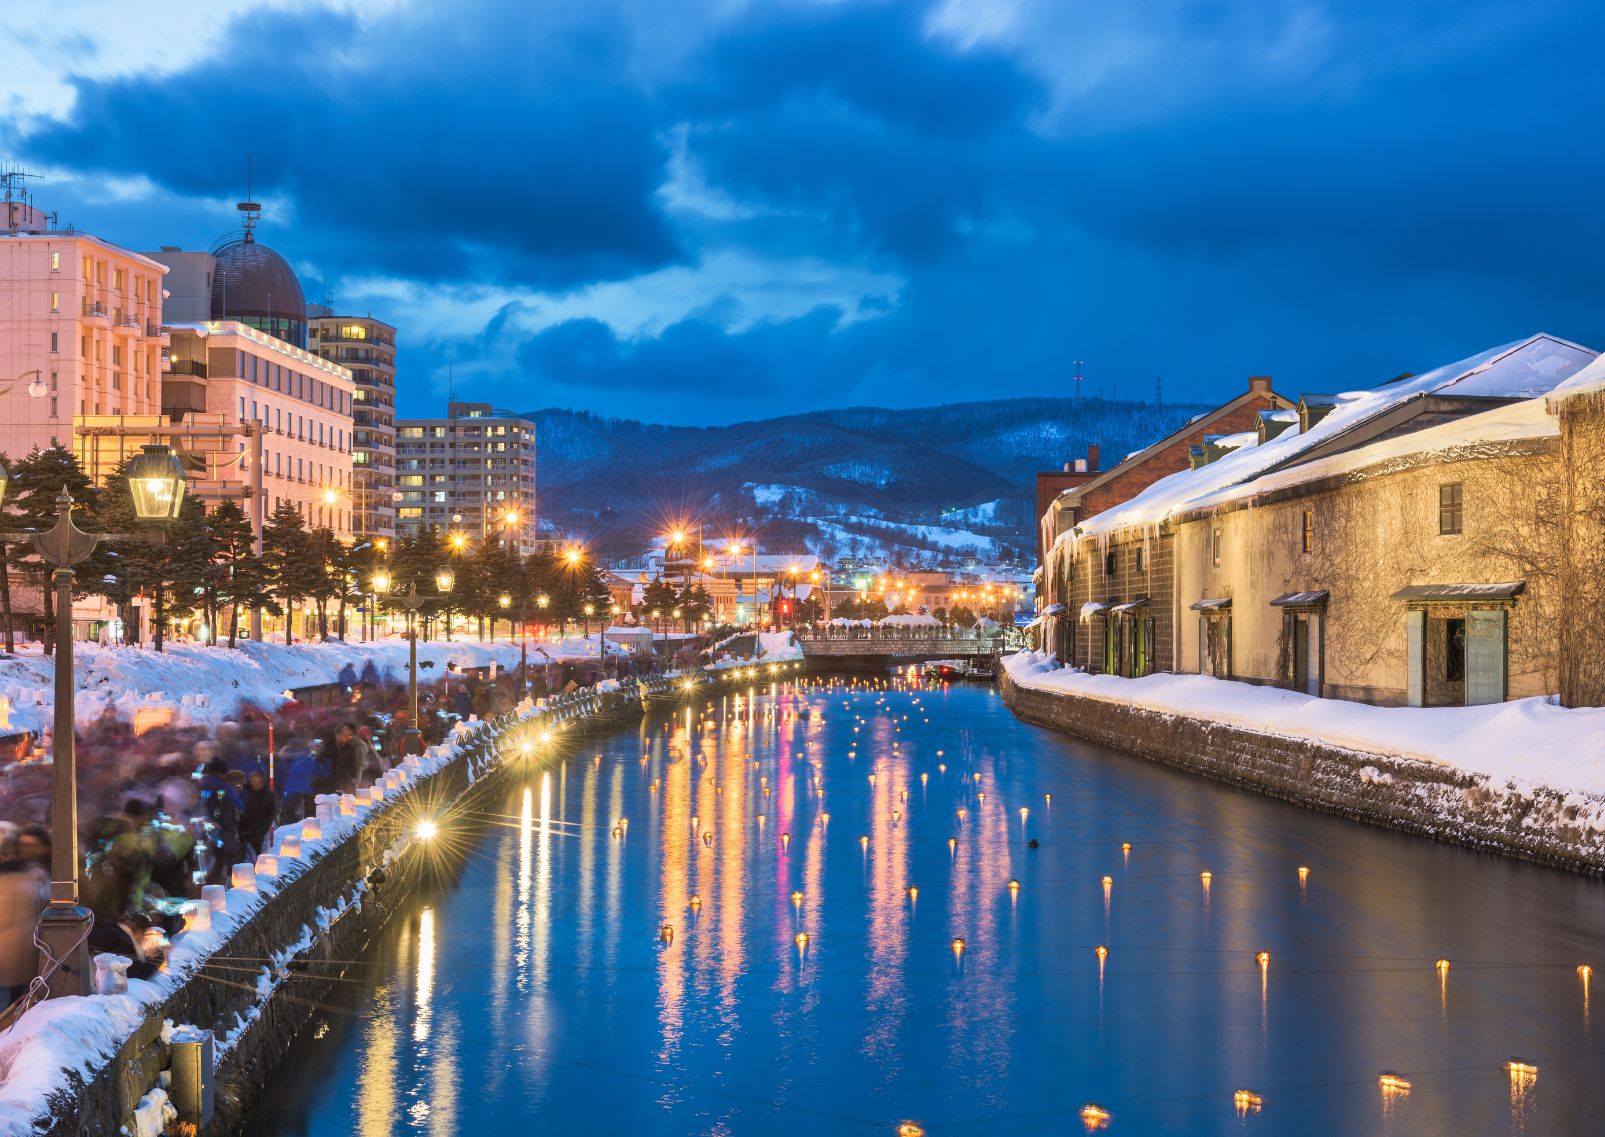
(1049, 486)
(1130, 482)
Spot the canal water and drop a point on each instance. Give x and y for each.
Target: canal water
(619, 949)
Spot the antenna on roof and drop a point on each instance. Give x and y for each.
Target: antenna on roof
(251, 210)
(14, 181)
(1078, 363)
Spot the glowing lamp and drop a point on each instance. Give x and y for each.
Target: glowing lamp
(311, 829)
(801, 940)
(244, 876)
(1303, 873)
(290, 847)
(1246, 1102)
(696, 903)
(1443, 967)
(267, 865)
(863, 843)
(156, 483)
(1206, 876)
(958, 945)
(1101, 952)
(426, 830)
(1094, 1117)
(1393, 1084)
(1521, 1070)
(666, 933)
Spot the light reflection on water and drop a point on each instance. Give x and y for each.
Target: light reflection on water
(536, 991)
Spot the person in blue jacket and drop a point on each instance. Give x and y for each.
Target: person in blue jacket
(308, 774)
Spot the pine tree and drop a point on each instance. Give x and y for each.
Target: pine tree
(285, 552)
(35, 483)
(239, 577)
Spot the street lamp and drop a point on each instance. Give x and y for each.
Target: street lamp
(503, 601)
(411, 601)
(156, 484)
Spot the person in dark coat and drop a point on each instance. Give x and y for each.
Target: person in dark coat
(256, 816)
(220, 805)
(344, 758)
(348, 676)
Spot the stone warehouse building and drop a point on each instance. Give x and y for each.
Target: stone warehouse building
(1401, 545)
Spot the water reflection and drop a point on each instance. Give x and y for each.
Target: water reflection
(731, 963)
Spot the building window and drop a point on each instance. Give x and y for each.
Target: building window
(55, 301)
(1451, 509)
(55, 341)
(55, 262)
(1140, 558)
(1307, 533)
(1214, 547)
(1109, 564)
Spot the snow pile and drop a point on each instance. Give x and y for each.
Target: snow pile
(1526, 744)
(773, 647)
(911, 620)
(205, 685)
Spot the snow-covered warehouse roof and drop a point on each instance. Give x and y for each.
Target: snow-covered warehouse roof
(1525, 369)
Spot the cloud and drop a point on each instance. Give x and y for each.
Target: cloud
(379, 137)
(728, 210)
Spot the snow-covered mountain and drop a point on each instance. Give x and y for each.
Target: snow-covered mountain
(933, 483)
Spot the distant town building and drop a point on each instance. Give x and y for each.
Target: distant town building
(80, 327)
(367, 348)
(471, 472)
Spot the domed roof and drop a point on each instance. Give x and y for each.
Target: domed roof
(256, 286)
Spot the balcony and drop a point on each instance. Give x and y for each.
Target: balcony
(95, 310)
(191, 367)
(155, 331)
(126, 323)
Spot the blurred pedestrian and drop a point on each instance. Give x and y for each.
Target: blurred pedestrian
(260, 808)
(220, 806)
(21, 900)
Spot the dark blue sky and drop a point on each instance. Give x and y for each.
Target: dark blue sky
(717, 211)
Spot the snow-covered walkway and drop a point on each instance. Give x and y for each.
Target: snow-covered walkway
(1525, 744)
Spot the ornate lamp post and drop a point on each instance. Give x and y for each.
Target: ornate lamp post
(412, 739)
(156, 484)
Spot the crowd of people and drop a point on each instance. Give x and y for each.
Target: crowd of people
(175, 807)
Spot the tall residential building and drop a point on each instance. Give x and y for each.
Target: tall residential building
(80, 327)
(367, 348)
(472, 472)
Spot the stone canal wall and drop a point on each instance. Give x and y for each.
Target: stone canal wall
(1432, 800)
(261, 986)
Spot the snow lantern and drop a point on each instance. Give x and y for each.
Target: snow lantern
(290, 846)
(216, 897)
(312, 829)
(244, 876)
(267, 865)
(197, 918)
(111, 974)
